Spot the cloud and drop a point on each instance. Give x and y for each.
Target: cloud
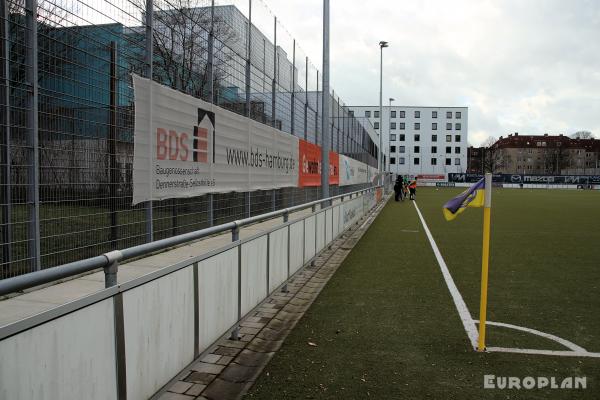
(520, 66)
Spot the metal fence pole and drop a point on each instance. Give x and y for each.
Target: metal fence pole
(317, 112)
(112, 147)
(325, 125)
(6, 146)
(274, 84)
(248, 56)
(293, 95)
(211, 95)
(149, 74)
(33, 188)
(306, 100)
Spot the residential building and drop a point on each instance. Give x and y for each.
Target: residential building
(421, 140)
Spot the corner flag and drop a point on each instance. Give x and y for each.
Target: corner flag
(478, 195)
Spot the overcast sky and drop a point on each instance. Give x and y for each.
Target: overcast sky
(527, 66)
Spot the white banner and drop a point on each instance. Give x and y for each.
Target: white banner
(186, 147)
(353, 172)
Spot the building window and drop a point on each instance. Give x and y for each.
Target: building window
(434, 114)
(417, 126)
(351, 113)
(375, 114)
(402, 137)
(416, 160)
(434, 126)
(449, 114)
(416, 149)
(402, 126)
(457, 138)
(393, 160)
(393, 137)
(457, 150)
(392, 125)
(376, 125)
(457, 127)
(457, 161)
(434, 150)
(448, 149)
(457, 114)
(448, 161)
(401, 149)
(434, 138)
(368, 114)
(448, 138)
(401, 161)
(402, 115)
(392, 149)
(434, 161)
(393, 114)
(417, 137)
(449, 126)
(417, 114)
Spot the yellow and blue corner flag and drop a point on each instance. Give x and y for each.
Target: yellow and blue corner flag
(472, 197)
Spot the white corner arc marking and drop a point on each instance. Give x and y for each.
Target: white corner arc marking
(460, 304)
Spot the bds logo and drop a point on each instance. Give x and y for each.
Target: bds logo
(181, 146)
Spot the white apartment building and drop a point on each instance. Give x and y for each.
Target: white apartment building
(421, 140)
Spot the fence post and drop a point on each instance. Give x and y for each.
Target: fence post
(248, 58)
(293, 95)
(112, 146)
(211, 94)
(112, 268)
(306, 100)
(317, 112)
(274, 83)
(235, 236)
(149, 74)
(6, 156)
(33, 188)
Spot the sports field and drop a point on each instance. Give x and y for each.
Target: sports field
(386, 325)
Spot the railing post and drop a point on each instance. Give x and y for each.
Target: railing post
(112, 268)
(286, 218)
(235, 236)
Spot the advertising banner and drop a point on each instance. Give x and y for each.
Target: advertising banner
(352, 172)
(310, 165)
(536, 179)
(431, 178)
(186, 147)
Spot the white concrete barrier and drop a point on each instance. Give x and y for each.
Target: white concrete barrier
(132, 339)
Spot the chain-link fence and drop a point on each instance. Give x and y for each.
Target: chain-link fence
(67, 116)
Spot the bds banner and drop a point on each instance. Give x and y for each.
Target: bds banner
(353, 172)
(185, 147)
(310, 165)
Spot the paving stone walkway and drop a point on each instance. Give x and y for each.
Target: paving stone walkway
(231, 367)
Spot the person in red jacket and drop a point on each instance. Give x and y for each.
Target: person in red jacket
(412, 187)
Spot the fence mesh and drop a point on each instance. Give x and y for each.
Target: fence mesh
(66, 140)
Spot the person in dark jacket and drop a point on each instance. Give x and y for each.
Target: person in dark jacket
(398, 188)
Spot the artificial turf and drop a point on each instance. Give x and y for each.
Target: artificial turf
(385, 325)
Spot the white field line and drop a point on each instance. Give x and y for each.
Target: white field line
(469, 323)
(569, 345)
(460, 304)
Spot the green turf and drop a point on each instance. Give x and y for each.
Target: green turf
(386, 327)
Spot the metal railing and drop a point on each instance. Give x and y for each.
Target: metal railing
(110, 261)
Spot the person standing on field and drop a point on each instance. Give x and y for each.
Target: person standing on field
(412, 187)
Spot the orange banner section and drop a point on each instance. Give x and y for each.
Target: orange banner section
(310, 165)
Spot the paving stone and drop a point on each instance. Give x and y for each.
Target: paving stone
(200, 377)
(273, 334)
(257, 325)
(223, 390)
(264, 346)
(225, 360)
(251, 358)
(238, 344)
(298, 302)
(179, 387)
(195, 390)
(252, 319)
(206, 367)
(174, 396)
(294, 309)
(240, 373)
(278, 325)
(249, 330)
(227, 351)
(211, 358)
(246, 338)
(286, 316)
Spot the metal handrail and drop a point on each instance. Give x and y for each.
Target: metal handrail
(110, 261)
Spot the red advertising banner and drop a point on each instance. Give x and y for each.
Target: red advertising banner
(431, 178)
(310, 165)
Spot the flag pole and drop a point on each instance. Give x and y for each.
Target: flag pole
(485, 258)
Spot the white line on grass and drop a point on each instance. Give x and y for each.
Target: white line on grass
(460, 304)
(469, 322)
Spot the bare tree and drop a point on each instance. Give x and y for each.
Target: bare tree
(493, 158)
(181, 46)
(582, 135)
